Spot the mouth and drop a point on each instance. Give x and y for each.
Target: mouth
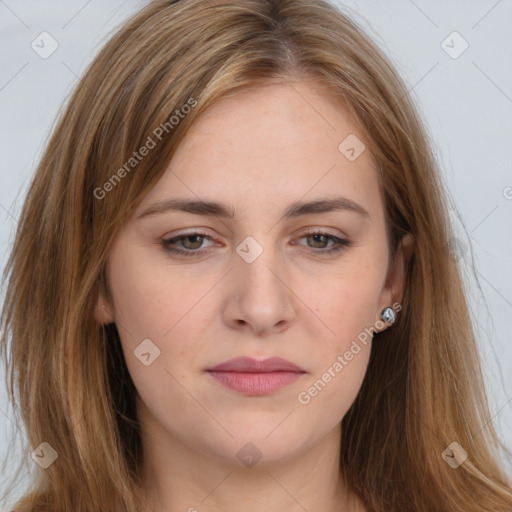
(252, 377)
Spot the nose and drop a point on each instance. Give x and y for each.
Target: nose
(260, 298)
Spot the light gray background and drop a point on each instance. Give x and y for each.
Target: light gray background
(465, 101)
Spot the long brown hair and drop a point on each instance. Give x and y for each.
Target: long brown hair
(66, 374)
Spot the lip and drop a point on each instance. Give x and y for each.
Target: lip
(250, 365)
(252, 377)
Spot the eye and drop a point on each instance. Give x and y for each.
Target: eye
(190, 241)
(320, 237)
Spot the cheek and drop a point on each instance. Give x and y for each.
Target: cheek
(153, 300)
(166, 307)
(345, 302)
(341, 358)
(345, 310)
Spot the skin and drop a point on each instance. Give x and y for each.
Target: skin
(258, 151)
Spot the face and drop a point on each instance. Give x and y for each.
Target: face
(202, 288)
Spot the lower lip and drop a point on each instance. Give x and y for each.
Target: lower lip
(256, 383)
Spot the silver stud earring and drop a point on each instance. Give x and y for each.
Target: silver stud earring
(388, 315)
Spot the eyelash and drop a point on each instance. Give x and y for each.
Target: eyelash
(166, 244)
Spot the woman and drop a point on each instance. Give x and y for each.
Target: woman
(229, 286)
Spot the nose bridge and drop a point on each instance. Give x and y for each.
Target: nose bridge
(258, 295)
(258, 260)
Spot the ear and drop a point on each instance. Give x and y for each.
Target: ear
(103, 311)
(394, 286)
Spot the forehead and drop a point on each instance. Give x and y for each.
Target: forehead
(272, 145)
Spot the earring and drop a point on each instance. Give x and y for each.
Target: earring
(388, 315)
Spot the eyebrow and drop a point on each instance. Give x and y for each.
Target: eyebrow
(221, 210)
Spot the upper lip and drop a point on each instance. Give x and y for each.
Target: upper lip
(250, 365)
